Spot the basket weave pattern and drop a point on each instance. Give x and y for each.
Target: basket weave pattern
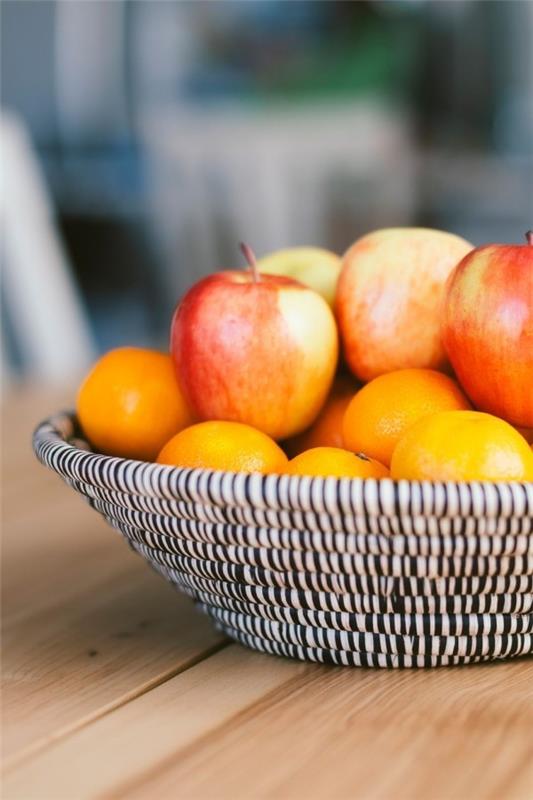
(353, 572)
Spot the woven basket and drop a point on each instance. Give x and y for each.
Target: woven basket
(351, 572)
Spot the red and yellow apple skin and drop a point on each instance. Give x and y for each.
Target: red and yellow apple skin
(261, 352)
(488, 329)
(313, 266)
(389, 298)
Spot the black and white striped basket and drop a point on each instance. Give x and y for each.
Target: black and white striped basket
(351, 572)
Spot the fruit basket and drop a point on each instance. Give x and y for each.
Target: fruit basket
(345, 571)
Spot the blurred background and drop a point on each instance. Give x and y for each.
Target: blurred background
(142, 140)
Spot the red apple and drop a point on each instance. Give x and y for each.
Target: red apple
(488, 329)
(389, 296)
(254, 348)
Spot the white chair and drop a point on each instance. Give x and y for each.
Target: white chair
(45, 312)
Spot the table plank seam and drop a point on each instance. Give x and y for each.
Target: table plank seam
(279, 692)
(142, 785)
(18, 759)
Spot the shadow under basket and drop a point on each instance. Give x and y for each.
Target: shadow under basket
(345, 571)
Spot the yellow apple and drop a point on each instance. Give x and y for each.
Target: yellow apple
(315, 267)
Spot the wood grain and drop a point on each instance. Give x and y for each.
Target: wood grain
(450, 733)
(137, 739)
(78, 606)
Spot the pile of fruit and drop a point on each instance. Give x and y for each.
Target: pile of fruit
(435, 379)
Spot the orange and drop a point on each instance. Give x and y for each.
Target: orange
(130, 403)
(229, 446)
(462, 446)
(326, 431)
(324, 461)
(386, 407)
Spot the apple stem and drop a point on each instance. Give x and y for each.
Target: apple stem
(249, 255)
(529, 238)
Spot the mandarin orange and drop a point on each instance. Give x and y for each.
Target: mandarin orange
(461, 446)
(325, 461)
(326, 431)
(130, 403)
(224, 445)
(386, 407)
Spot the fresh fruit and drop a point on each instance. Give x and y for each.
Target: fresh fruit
(130, 403)
(488, 329)
(224, 445)
(527, 433)
(385, 408)
(324, 461)
(326, 430)
(462, 446)
(388, 299)
(258, 349)
(315, 267)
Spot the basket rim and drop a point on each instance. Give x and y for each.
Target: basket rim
(59, 444)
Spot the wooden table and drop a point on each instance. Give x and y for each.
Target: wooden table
(114, 686)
